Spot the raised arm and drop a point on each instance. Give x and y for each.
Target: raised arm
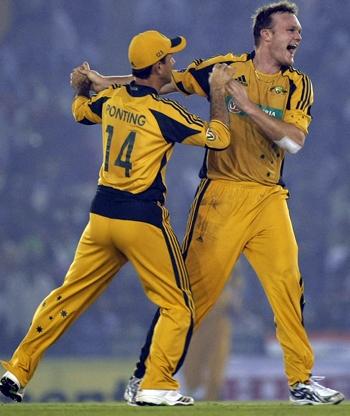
(98, 82)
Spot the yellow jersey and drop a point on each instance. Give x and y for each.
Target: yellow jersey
(139, 130)
(286, 95)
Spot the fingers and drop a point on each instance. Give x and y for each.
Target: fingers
(77, 79)
(86, 66)
(230, 86)
(221, 74)
(83, 68)
(79, 74)
(224, 69)
(234, 87)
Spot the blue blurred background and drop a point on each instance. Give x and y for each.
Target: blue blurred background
(49, 165)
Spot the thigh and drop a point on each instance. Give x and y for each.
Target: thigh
(273, 253)
(213, 242)
(96, 259)
(272, 248)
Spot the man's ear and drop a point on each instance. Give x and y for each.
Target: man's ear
(157, 68)
(266, 34)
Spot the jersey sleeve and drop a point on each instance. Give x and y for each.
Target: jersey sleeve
(177, 125)
(300, 100)
(195, 78)
(89, 110)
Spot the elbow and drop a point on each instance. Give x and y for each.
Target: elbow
(224, 143)
(220, 142)
(218, 135)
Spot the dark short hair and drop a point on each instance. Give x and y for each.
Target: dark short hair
(262, 18)
(145, 73)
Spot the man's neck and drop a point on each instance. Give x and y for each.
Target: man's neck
(263, 62)
(150, 82)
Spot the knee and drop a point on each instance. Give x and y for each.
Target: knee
(183, 316)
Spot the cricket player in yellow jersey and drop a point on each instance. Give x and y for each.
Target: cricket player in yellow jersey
(241, 202)
(128, 219)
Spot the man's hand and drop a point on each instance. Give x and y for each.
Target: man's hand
(220, 76)
(239, 95)
(83, 74)
(78, 77)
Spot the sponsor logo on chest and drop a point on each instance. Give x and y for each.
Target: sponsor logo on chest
(271, 111)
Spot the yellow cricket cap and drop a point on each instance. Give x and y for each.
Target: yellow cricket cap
(149, 47)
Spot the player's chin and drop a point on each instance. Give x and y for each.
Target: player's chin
(289, 61)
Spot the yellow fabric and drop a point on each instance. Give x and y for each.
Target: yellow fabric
(139, 130)
(139, 133)
(105, 246)
(149, 47)
(229, 218)
(287, 95)
(242, 209)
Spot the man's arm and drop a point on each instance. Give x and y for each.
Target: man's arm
(86, 109)
(218, 79)
(285, 135)
(80, 84)
(100, 82)
(216, 133)
(97, 81)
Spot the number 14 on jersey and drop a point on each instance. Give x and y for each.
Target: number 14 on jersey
(124, 156)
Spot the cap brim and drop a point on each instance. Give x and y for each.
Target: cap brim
(177, 44)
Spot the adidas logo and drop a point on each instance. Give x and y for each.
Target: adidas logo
(242, 80)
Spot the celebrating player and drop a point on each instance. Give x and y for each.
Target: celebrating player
(241, 202)
(128, 219)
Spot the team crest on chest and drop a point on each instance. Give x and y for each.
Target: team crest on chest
(278, 89)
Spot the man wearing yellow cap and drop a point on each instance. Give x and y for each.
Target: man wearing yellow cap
(128, 219)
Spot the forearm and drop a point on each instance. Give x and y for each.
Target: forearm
(285, 135)
(101, 82)
(116, 79)
(218, 110)
(105, 82)
(219, 120)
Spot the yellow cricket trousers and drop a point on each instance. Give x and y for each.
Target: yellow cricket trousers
(229, 218)
(105, 246)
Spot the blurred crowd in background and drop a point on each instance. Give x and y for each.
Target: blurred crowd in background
(49, 164)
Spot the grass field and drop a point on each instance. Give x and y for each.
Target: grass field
(200, 409)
